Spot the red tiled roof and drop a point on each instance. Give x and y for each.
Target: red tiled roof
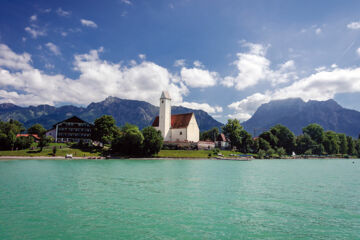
(221, 137)
(177, 121)
(27, 135)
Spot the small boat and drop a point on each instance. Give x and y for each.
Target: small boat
(70, 156)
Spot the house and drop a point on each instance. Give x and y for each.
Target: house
(35, 136)
(205, 145)
(222, 142)
(72, 129)
(178, 127)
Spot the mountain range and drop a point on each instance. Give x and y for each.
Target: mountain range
(295, 114)
(124, 111)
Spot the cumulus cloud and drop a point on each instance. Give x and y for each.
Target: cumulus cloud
(198, 78)
(179, 63)
(353, 25)
(318, 31)
(202, 106)
(35, 31)
(63, 13)
(22, 84)
(321, 85)
(53, 48)
(253, 67)
(88, 23)
(11, 60)
(142, 56)
(128, 2)
(198, 64)
(33, 18)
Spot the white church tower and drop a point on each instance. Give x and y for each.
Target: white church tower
(165, 115)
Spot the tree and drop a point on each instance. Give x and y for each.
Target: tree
(44, 141)
(315, 131)
(23, 142)
(105, 129)
(281, 151)
(153, 141)
(36, 129)
(331, 142)
(263, 144)
(246, 141)
(269, 138)
(343, 145)
(129, 141)
(232, 131)
(351, 145)
(210, 134)
(286, 138)
(304, 143)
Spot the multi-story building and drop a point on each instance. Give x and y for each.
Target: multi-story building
(72, 129)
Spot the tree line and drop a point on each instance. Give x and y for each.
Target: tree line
(127, 140)
(9, 141)
(279, 140)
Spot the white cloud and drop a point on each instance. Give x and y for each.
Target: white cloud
(198, 78)
(322, 85)
(35, 31)
(358, 51)
(142, 56)
(14, 61)
(354, 25)
(53, 48)
(88, 23)
(128, 2)
(22, 84)
(198, 64)
(33, 18)
(63, 13)
(254, 67)
(179, 63)
(202, 106)
(318, 31)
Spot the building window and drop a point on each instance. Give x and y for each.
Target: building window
(162, 101)
(180, 133)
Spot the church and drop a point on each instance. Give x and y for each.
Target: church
(178, 127)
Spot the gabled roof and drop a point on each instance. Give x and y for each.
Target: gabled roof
(177, 121)
(221, 137)
(27, 135)
(74, 119)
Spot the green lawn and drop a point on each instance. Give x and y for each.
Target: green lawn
(191, 153)
(47, 151)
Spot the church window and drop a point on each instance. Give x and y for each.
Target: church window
(162, 101)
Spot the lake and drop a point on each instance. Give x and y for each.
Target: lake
(179, 199)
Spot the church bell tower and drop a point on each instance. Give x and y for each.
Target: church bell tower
(165, 116)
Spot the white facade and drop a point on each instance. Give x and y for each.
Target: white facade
(193, 131)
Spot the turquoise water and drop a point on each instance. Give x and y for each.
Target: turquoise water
(180, 199)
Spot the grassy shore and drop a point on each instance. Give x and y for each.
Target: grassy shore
(61, 150)
(191, 153)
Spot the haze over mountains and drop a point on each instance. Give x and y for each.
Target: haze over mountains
(124, 111)
(296, 114)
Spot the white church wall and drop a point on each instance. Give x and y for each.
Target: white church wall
(178, 134)
(193, 131)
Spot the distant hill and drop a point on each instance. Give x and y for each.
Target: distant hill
(124, 111)
(296, 114)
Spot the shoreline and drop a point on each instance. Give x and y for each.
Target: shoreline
(7, 158)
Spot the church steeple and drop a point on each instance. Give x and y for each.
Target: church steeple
(165, 115)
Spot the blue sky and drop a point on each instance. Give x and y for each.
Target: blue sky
(225, 57)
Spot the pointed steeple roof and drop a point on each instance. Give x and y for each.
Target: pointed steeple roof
(165, 94)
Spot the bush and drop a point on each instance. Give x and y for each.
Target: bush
(261, 154)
